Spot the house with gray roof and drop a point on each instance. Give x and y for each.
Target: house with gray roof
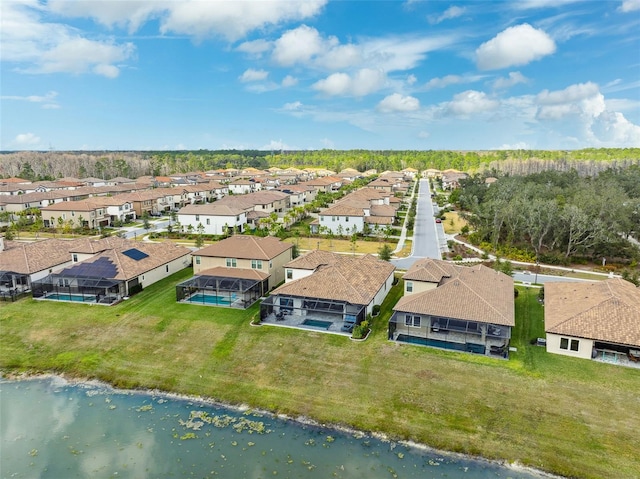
(337, 292)
(455, 307)
(595, 319)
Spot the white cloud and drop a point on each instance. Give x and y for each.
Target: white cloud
(251, 75)
(629, 6)
(362, 83)
(469, 103)
(443, 82)
(53, 48)
(521, 145)
(423, 135)
(298, 46)
(255, 48)
(584, 106)
(448, 14)
(26, 139)
(411, 79)
(200, 19)
(48, 100)
(289, 81)
(398, 103)
(293, 106)
(276, 145)
(516, 45)
(513, 79)
(306, 46)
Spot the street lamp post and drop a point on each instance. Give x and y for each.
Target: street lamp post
(537, 268)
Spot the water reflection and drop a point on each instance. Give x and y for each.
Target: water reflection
(51, 429)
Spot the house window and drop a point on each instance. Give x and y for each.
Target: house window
(166, 268)
(333, 218)
(409, 286)
(575, 345)
(256, 264)
(208, 221)
(289, 274)
(322, 218)
(74, 257)
(346, 218)
(410, 320)
(270, 264)
(197, 259)
(197, 217)
(564, 343)
(231, 263)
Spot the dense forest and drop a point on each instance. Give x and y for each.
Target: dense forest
(556, 217)
(53, 164)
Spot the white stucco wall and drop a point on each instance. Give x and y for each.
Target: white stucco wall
(297, 274)
(585, 346)
(381, 294)
(216, 223)
(334, 222)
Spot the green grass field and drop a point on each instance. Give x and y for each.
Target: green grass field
(569, 416)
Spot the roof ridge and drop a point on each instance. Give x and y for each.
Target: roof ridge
(483, 300)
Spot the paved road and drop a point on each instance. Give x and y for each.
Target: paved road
(542, 278)
(425, 231)
(156, 225)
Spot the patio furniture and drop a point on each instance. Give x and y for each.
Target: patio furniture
(634, 355)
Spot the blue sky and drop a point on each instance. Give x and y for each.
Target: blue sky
(313, 74)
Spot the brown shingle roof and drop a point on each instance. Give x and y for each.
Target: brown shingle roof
(342, 210)
(246, 247)
(313, 259)
(212, 209)
(604, 310)
(351, 279)
(476, 293)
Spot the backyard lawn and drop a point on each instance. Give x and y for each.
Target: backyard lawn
(573, 417)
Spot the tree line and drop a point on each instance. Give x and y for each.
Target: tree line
(47, 165)
(556, 217)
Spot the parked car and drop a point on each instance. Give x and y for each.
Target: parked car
(438, 220)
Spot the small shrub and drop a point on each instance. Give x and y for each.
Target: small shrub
(360, 330)
(376, 309)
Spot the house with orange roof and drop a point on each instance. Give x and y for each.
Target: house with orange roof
(455, 307)
(236, 271)
(593, 320)
(335, 292)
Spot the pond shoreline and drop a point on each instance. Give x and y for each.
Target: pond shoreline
(65, 380)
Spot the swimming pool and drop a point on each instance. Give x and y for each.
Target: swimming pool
(468, 347)
(316, 323)
(71, 297)
(211, 299)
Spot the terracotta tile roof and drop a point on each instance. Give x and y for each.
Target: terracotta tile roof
(342, 210)
(313, 259)
(251, 200)
(29, 258)
(606, 311)
(383, 210)
(351, 279)
(128, 268)
(246, 247)
(432, 270)
(240, 273)
(477, 294)
(378, 220)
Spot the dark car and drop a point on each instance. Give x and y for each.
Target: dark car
(438, 220)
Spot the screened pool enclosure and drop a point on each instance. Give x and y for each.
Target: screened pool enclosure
(219, 290)
(84, 282)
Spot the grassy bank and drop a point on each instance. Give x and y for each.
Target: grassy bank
(569, 416)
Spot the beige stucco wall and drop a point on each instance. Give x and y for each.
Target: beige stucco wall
(275, 269)
(160, 272)
(585, 346)
(418, 286)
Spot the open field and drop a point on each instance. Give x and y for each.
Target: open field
(570, 416)
(453, 223)
(338, 245)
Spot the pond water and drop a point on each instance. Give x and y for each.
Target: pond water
(52, 429)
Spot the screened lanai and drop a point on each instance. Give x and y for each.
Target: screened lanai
(314, 313)
(12, 285)
(84, 282)
(229, 287)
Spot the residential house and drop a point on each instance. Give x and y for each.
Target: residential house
(593, 320)
(455, 307)
(215, 218)
(75, 214)
(106, 270)
(22, 263)
(242, 186)
(339, 292)
(236, 271)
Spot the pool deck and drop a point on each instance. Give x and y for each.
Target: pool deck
(296, 321)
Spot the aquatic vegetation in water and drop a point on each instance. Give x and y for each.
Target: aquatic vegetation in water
(146, 407)
(197, 419)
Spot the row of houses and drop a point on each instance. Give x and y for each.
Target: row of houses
(461, 308)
